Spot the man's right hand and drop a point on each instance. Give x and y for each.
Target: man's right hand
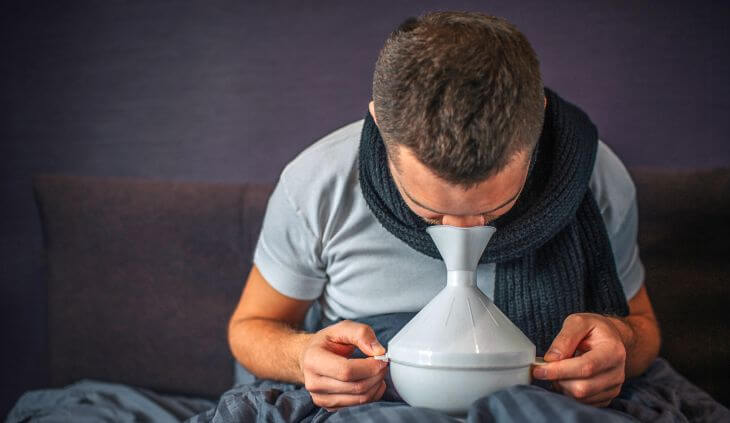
(332, 378)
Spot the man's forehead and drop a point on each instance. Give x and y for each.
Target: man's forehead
(424, 188)
(407, 164)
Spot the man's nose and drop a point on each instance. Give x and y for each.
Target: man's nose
(463, 221)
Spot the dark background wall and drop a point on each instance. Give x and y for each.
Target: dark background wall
(230, 91)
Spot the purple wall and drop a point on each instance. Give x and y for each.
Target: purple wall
(227, 90)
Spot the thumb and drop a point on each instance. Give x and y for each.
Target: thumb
(575, 328)
(358, 334)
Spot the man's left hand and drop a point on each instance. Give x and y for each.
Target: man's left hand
(587, 360)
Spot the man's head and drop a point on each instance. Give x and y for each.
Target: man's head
(458, 99)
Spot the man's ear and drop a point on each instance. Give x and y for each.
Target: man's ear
(543, 97)
(371, 107)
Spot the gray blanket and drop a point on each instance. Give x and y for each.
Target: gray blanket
(95, 401)
(660, 395)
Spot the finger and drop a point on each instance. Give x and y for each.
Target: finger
(343, 350)
(584, 366)
(328, 385)
(575, 328)
(380, 393)
(336, 401)
(358, 334)
(587, 388)
(602, 399)
(342, 401)
(324, 363)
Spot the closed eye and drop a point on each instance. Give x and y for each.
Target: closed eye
(488, 218)
(431, 221)
(437, 221)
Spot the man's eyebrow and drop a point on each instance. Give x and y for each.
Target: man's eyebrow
(514, 197)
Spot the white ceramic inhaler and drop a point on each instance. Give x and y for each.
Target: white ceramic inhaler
(460, 346)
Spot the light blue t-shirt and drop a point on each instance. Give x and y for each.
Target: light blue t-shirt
(320, 240)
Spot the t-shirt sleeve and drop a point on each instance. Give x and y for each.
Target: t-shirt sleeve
(288, 252)
(615, 194)
(626, 253)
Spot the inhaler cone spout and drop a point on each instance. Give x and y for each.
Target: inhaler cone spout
(461, 248)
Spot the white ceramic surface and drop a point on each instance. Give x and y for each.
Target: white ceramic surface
(460, 346)
(452, 390)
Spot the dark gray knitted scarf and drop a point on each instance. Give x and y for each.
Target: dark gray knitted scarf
(552, 252)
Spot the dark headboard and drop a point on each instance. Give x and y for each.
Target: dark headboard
(143, 275)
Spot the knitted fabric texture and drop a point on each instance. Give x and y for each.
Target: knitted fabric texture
(552, 252)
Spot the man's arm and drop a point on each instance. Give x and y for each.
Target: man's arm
(263, 336)
(592, 355)
(639, 333)
(262, 332)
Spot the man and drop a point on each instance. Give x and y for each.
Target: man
(460, 132)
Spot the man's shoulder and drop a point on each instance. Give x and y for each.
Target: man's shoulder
(612, 187)
(320, 181)
(330, 156)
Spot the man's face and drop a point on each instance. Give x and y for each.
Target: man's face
(440, 202)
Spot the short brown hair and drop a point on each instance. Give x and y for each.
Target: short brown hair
(462, 90)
